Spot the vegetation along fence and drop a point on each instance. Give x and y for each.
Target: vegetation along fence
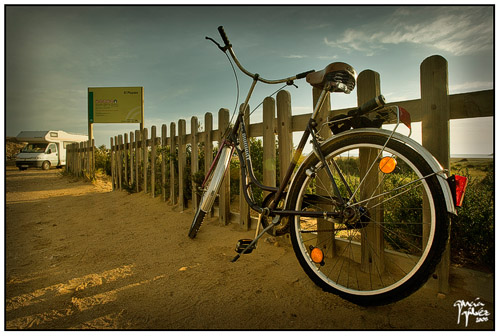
(162, 165)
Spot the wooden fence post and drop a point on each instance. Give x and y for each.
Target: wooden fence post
(372, 237)
(73, 158)
(153, 161)
(194, 160)
(209, 146)
(284, 128)
(137, 159)
(68, 158)
(112, 154)
(245, 222)
(173, 198)
(324, 226)
(125, 159)
(182, 162)
(131, 153)
(68, 162)
(436, 132)
(120, 161)
(269, 143)
(87, 154)
(84, 162)
(163, 162)
(285, 135)
(224, 193)
(145, 160)
(80, 167)
(92, 167)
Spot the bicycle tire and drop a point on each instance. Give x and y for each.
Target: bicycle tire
(200, 214)
(362, 270)
(196, 224)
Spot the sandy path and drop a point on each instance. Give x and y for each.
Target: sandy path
(80, 256)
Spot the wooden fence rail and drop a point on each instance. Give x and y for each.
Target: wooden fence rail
(157, 165)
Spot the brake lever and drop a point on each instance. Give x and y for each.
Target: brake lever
(216, 43)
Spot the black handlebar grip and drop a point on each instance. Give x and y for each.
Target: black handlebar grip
(372, 104)
(303, 74)
(223, 35)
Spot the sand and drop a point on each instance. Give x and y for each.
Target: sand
(81, 256)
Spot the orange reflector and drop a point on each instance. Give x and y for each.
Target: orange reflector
(387, 165)
(317, 255)
(460, 185)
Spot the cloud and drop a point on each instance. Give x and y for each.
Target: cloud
(457, 30)
(470, 86)
(321, 57)
(328, 58)
(295, 56)
(318, 26)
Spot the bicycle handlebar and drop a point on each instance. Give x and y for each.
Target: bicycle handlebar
(228, 46)
(303, 74)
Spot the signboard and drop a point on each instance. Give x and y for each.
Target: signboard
(116, 105)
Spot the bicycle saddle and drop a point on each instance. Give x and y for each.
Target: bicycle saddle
(334, 72)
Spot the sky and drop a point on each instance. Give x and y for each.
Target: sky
(53, 54)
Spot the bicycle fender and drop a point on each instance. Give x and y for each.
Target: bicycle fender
(209, 196)
(431, 160)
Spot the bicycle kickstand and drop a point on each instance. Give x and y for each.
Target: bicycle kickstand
(245, 246)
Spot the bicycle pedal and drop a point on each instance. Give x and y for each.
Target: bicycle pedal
(243, 244)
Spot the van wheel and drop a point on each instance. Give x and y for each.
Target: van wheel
(46, 165)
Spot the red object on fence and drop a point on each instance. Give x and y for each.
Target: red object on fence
(460, 185)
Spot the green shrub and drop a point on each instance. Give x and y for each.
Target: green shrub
(472, 232)
(103, 159)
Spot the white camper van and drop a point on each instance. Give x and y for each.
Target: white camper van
(45, 149)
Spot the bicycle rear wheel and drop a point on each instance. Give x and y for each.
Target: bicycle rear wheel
(211, 188)
(386, 242)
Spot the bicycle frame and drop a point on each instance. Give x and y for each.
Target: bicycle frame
(247, 174)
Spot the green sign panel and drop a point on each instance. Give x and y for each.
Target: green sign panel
(116, 105)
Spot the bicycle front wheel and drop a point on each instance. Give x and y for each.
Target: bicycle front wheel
(388, 225)
(211, 188)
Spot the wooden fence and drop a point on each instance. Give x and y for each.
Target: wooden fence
(80, 159)
(145, 160)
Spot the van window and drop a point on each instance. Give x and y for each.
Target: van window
(54, 134)
(52, 147)
(34, 148)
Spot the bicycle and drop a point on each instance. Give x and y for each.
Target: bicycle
(367, 211)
